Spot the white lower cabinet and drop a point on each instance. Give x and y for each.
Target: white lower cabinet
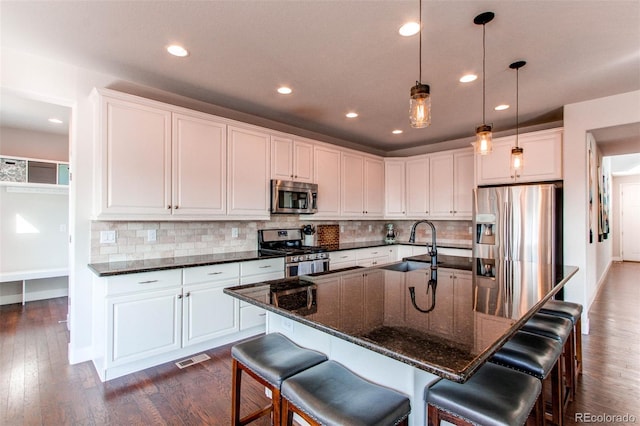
(145, 319)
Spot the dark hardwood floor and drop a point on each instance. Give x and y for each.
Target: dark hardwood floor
(38, 387)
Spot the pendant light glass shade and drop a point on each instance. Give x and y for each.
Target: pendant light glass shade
(484, 140)
(517, 158)
(484, 137)
(420, 106)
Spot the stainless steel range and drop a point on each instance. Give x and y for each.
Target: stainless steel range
(300, 259)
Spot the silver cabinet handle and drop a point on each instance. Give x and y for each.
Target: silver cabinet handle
(265, 266)
(215, 273)
(262, 315)
(147, 282)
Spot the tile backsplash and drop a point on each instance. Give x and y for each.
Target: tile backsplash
(194, 238)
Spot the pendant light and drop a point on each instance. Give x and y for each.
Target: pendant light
(483, 133)
(517, 152)
(420, 101)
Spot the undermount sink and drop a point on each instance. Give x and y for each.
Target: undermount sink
(406, 266)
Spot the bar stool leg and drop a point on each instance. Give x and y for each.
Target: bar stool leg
(557, 403)
(236, 381)
(578, 333)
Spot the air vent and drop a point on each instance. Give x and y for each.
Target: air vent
(193, 360)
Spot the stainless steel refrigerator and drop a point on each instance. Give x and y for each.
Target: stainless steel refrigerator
(521, 222)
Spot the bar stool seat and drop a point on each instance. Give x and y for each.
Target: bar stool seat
(269, 360)
(331, 394)
(572, 311)
(538, 356)
(560, 329)
(493, 396)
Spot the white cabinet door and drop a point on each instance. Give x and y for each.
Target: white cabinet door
(463, 184)
(327, 176)
(417, 180)
(199, 166)
(495, 168)
(281, 158)
(302, 161)
(352, 193)
(248, 192)
(542, 156)
(441, 185)
(208, 313)
(373, 187)
(135, 158)
(394, 188)
(142, 325)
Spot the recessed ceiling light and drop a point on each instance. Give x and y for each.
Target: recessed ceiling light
(177, 50)
(397, 132)
(55, 121)
(501, 107)
(284, 90)
(468, 78)
(409, 29)
(351, 114)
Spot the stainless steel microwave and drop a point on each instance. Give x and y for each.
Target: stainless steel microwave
(293, 197)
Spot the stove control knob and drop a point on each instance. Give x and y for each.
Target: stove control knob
(294, 258)
(322, 255)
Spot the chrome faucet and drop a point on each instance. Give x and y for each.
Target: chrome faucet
(432, 251)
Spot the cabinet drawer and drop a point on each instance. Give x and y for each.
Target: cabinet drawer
(265, 266)
(342, 256)
(210, 273)
(252, 316)
(144, 281)
(371, 253)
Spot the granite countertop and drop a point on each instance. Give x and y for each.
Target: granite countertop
(456, 324)
(147, 265)
(134, 266)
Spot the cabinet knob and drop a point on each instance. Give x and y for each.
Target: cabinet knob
(188, 294)
(450, 211)
(175, 207)
(168, 207)
(179, 296)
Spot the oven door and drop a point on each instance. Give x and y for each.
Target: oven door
(293, 197)
(295, 269)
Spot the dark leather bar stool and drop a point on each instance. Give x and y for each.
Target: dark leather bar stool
(331, 394)
(572, 311)
(493, 396)
(538, 356)
(560, 329)
(269, 359)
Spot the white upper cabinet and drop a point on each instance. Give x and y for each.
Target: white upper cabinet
(248, 192)
(158, 164)
(394, 188)
(417, 183)
(352, 193)
(134, 158)
(542, 159)
(451, 184)
(362, 186)
(291, 159)
(327, 176)
(199, 166)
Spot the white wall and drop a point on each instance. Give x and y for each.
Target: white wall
(578, 119)
(32, 144)
(49, 81)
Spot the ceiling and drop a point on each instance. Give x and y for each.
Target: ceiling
(340, 56)
(20, 112)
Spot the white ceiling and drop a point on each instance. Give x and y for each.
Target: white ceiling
(347, 55)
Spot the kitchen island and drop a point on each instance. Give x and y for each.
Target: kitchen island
(405, 325)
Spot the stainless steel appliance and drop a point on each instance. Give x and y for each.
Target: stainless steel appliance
(299, 259)
(522, 222)
(293, 197)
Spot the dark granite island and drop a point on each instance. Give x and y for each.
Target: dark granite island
(406, 329)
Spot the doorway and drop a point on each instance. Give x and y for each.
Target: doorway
(630, 221)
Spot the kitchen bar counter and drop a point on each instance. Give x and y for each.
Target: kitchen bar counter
(381, 243)
(462, 313)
